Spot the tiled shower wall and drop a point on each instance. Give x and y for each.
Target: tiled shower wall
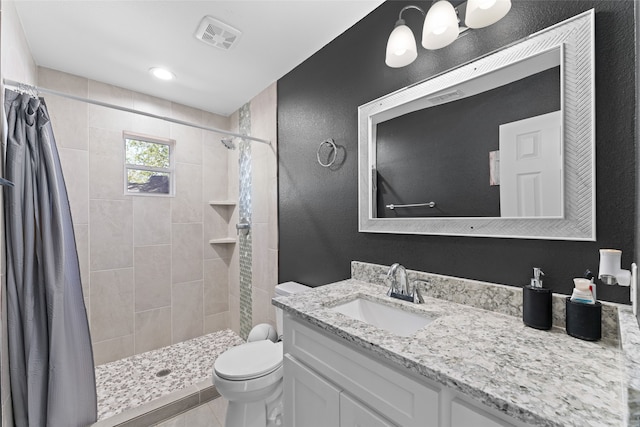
(150, 277)
(264, 215)
(244, 213)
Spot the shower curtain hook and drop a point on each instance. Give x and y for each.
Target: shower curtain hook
(28, 90)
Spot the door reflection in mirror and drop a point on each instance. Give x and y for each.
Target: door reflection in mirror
(531, 167)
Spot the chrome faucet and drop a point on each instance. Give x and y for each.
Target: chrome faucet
(400, 287)
(243, 227)
(397, 286)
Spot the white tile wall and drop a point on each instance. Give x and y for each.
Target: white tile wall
(190, 148)
(142, 257)
(77, 182)
(264, 198)
(187, 261)
(215, 167)
(151, 329)
(216, 296)
(113, 349)
(106, 172)
(152, 277)
(187, 304)
(151, 221)
(187, 204)
(110, 234)
(111, 304)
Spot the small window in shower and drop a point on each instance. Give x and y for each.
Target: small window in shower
(148, 165)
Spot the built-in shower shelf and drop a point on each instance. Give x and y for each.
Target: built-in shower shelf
(223, 202)
(223, 241)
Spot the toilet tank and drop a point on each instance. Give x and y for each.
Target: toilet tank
(283, 290)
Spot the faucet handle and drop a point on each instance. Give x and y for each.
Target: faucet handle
(392, 269)
(417, 296)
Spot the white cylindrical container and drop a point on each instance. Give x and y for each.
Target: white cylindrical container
(610, 272)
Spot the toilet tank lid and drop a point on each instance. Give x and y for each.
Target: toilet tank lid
(290, 288)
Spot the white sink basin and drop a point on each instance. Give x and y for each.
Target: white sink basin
(383, 316)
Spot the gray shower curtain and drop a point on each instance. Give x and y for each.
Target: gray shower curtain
(50, 357)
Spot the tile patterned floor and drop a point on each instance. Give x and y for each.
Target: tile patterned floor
(130, 382)
(211, 414)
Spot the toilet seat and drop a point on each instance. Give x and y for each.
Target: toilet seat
(248, 361)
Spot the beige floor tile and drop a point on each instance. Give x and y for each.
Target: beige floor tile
(201, 416)
(219, 408)
(178, 421)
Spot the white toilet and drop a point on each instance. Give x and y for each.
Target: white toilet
(249, 376)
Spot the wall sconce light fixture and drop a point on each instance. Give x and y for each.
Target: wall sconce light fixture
(442, 25)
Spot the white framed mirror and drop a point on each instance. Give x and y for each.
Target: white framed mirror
(538, 180)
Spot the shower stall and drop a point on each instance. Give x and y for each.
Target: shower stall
(169, 281)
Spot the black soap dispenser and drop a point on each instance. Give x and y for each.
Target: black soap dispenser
(536, 303)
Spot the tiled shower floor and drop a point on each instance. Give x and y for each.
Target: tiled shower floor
(131, 382)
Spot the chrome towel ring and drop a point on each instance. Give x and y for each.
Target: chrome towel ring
(332, 157)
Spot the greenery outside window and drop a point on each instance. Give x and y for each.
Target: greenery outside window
(149, 166)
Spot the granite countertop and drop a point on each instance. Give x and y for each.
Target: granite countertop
(544, 378)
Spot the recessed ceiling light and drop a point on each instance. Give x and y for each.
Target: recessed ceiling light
(162, 74)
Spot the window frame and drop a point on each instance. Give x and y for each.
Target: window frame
(126, 135)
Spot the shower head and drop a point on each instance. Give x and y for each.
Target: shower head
(228, 142)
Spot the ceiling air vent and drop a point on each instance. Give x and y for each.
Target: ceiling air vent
(216, 33)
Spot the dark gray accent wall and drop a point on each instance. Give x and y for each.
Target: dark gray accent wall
(637, 206)
(319, 99)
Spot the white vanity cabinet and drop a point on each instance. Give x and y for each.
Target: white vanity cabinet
(354, 413)
(465, 415)
(331, 384)
(314, 401)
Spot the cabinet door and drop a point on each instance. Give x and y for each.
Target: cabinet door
(402, 399)
(464, 415)
(309, 399)
(355, 414)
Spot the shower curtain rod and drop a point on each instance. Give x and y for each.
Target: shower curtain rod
(37, 89)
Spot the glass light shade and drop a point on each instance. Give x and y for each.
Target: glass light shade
(162, 73)
(440, 26)
(482, 13)
(401, 47)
